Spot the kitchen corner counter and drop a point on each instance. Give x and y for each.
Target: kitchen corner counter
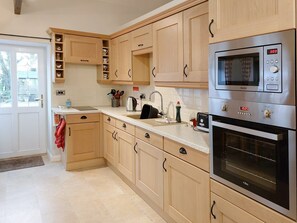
(182, 133)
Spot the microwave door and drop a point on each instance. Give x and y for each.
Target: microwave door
(240, 70)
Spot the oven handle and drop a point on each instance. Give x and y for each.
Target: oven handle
(266, 135)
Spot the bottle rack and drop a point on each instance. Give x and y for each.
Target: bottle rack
(59, 57)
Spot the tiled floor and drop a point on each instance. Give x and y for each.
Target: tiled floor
(49, 194)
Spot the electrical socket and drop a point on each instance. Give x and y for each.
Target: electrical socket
(60, 92)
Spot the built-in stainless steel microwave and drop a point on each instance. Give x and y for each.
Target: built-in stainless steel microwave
(258, 68)
(250, 69)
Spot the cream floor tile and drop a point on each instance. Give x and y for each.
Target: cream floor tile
(49, 194)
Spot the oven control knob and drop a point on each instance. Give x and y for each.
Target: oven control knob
(267, 113)
(274, 69)
(224, 108)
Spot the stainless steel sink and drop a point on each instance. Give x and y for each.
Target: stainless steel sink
(155, 121)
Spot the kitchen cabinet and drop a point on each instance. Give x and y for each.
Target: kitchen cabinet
(83, 50)
(142, 38)
(121, 58)
(109, 143)
(119, 144)
(149, 172)
(186, 191)
(125, 157)
(180, 49)
(234, 19)
(225, 212)
(228, 206)
(82, 141)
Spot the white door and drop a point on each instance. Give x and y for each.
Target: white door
(22, 104)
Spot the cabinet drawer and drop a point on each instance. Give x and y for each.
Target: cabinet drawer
(125, 127)
(187, 153)
(142, 38)
(108, 119)
(82, 118)
(150, 137)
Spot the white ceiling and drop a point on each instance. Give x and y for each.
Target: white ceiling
(100, 16)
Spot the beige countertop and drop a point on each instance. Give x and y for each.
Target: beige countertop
(182, 133)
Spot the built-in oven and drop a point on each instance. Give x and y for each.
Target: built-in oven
(256, 159)
(252, 118)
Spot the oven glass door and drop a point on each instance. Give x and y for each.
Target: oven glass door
(253, 158)
(240, 69)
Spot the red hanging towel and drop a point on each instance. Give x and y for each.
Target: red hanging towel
(60, 134)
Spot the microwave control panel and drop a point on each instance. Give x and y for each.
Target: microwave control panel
(273, 68)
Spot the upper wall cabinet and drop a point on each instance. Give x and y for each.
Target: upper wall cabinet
(142, 38)
(121, 64)
(83, 50)
(180, 49)
(234, 19)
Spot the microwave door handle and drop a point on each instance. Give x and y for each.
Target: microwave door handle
(266, 135)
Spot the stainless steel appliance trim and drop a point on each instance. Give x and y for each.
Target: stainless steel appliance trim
(292, 177)
(259, 50)
(266, 135)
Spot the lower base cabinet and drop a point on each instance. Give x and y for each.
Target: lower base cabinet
(149, 171)
(109, 143)
(186, 191)
(125, 160)
(225, 212)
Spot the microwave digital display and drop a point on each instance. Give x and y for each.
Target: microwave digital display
(272, 51)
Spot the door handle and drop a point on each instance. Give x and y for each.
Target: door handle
(209, 28)
(129, 71)
(164, 165)
(185, 73)
(40, 99)
(211, 210)
(135, 148)
(153, 72)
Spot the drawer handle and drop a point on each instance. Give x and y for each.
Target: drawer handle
(211, 210)
(108, 119)
(146, 135)
(182, 150)
(135, 148)
(164, 165)
(83, 117)
(124, 125)
(84, 60)
(139, 45)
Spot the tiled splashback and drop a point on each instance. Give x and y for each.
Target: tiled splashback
(82, 89)
(191, 100)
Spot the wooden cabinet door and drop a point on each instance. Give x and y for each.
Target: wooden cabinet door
(125, 155)
(109, 143)
(142, 37)
(234, 19)
(124, 58)
(82, 141)
(168, 48)
(186, 191)
(226, 212)
(149, 172)
(196, 43)
(114, 69)
(85, 50)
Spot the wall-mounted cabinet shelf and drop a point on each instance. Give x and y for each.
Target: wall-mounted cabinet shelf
(59, 63)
